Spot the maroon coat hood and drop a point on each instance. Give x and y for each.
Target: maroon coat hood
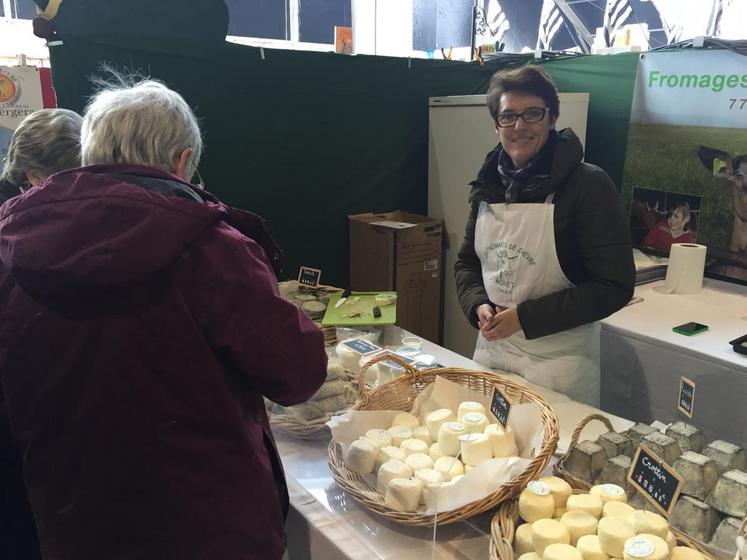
(140, 328)
(114, 227)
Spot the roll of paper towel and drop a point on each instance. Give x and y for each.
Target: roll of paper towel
(685, 268)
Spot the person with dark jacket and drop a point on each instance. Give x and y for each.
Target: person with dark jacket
(140, 328)
(45, 142)
(547, 252)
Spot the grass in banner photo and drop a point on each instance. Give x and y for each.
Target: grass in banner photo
(666, 158)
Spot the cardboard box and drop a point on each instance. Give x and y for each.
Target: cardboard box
(400, 251)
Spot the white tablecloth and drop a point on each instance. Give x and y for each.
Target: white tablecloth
(643, 360)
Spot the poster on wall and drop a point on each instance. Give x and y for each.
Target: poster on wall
(685, 177)
(20, 95)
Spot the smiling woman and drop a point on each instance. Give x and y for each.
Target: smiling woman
(547, 252)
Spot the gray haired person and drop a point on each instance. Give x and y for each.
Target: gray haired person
(46, 142)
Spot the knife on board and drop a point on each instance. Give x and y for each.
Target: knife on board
(343, 297)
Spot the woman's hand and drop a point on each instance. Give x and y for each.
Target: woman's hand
(485, 313)
(501, 325)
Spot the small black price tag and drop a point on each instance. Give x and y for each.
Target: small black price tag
(656, 480)
(500, 407)
(686, 397)
(309, 276)
(361, 345)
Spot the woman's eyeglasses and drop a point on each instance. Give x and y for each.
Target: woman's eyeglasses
(531, 115)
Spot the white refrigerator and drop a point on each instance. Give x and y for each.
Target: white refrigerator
(461, 134)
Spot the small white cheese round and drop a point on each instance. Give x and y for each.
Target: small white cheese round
(649, 522)
(534, 506)
(590, 549)
(561, 552)
(361, 457)
(403, 494)
(449, 467)
(613, 532)
(475, 448)
(436, 452)
(412, 446)
(431, 480)
(578, 524)
(421, 433)
(546, 532)
(435, 419)
(418, 461)
(585, 502)
(609, 493)
(399, 434)
(469, 406)
(474, 422)
(617, 509)
(406, 419)
(685, 553)
(503, 441)
(390, 470)
(448, 437)
(389, 452)
(383, 436)
(559, 489)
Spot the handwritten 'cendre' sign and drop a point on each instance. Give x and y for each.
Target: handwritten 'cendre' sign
(686, 397)
(500, 407)
(655, 479)
(309, 276)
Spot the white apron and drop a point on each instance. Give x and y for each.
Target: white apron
(516, 246)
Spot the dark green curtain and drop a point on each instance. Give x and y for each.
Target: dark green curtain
(304, 138)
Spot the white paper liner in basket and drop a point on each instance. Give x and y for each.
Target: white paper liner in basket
(480, 481)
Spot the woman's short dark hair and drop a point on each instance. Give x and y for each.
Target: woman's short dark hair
(531, 80)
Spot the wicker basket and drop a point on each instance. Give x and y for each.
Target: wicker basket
(399, 394)
(300, 429)
(504, 523)
(582, 485)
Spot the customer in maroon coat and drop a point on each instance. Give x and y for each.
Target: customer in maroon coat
(140, 327)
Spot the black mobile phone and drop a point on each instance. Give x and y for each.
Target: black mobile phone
(689, 329)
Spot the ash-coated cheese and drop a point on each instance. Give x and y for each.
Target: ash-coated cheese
(613, 532)
(695, 517)
(562, 552)
(615, 444)
(727, 455)
(536, 504)
(699, 474)
(578, 524)
(590, 549)
(615, 471)
(664, 446)
(586, 503)
(523, 539)
(689, 437)
(546, 532)
(559, 489)
(645, 547)
(730, 494)
(436, 419)
(586, 460)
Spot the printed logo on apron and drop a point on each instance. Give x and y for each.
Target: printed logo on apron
(516, 247)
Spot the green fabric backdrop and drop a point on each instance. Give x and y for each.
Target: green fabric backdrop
(304, 138)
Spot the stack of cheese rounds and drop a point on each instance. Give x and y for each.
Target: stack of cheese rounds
(600, 525)
(417, 460)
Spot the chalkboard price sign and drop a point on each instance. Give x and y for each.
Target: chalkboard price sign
(686, 397)
(656, 480)
(500, 406)
(361, 346)
(309, 276)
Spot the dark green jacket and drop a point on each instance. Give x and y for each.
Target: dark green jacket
(592, 240)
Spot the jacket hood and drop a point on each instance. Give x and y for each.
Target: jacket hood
(567, 155)
(101, 227)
